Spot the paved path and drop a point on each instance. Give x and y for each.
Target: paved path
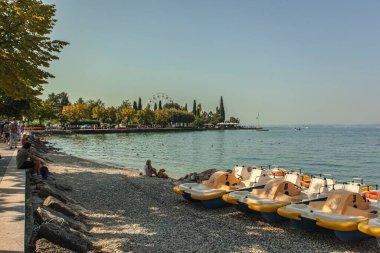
(12, 202)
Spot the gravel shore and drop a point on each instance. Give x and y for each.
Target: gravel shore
(131, 213)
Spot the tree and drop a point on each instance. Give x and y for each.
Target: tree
(80, 101)
(145, 117)
(234, 120)
(221, 108)
(134, 105)
(195, 107)
(99, 112)
(75, 112)
(172, 105)
(199, 110)
(139, 106)
(159, 105)
(185, 107)
(45, 110)
(126, 114)
(59, 101)
(15, 108)
(26, 49)
(94, 103)
(155, 106)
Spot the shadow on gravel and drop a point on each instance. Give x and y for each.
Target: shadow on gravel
(143, 215)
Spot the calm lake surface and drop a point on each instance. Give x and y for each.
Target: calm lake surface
(343, 152)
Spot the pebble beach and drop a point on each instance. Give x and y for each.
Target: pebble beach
(127, 212)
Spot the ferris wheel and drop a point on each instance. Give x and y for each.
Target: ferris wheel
(160, 96)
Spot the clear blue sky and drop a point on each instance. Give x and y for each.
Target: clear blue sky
(293, 61)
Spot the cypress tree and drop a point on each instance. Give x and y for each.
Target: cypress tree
(221, 108)
(186, 107)
(199, 109)
(159, 105)
(134, 105)
(139, 107)
(195, 107)
(155, 106)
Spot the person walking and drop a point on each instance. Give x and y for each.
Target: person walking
(13, 128)
(6, 132)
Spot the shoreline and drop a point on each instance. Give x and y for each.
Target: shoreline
(131, 130)
(129, 212)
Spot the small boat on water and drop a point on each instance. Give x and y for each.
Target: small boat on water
(343, 211)
(211, 191)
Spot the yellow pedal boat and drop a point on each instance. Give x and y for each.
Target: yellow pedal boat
(210, 192)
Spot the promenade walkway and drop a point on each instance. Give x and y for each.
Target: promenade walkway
(12, 202)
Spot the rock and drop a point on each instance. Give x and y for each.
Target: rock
(61, 207)
(46, 190)
(198, 177)
(63, 187)
(44, 246)
(36, 200)
(43, 215)
(65, 237)
(205, 175)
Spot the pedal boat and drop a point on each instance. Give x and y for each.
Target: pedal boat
(371, 227)
(278, 193)
(342, 212)
(302, 216)
(210, 192)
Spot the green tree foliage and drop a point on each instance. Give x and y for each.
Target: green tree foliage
(139, 106)
(195, 107)
(58, 101)
(173, 116)
(185, 107)
(145, 117)
(80, 101)
(159, 105)
(199, 110)
(234, 120)
(172, 105)
(198, 121)
(134, 105)
(222, 112)
(26, 49)
(15, 108)
(155, 106)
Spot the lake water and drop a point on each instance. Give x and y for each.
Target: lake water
(343, 152)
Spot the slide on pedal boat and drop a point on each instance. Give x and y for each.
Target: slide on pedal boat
(277, 193)
(210, 192)
(242, 199)
(302, 216)
(342, 212)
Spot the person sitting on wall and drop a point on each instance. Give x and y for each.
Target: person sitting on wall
(149, 170)
(23, 162)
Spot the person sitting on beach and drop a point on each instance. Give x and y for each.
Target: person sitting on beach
(22, 161)
(149, 170)
(162, 174)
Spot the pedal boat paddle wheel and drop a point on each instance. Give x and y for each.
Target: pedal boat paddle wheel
(211, 191)
(278, 193)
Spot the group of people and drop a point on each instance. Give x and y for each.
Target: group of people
(11, 132)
